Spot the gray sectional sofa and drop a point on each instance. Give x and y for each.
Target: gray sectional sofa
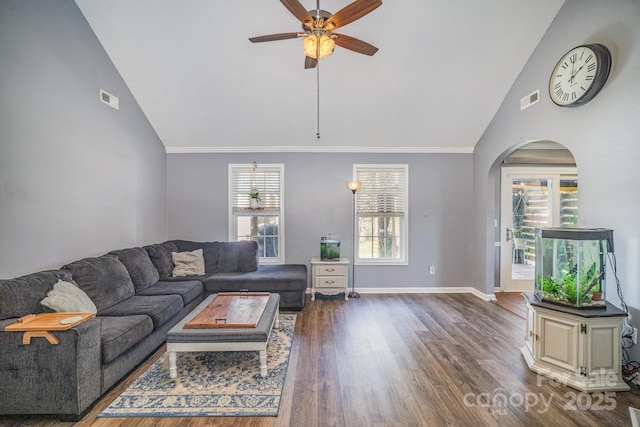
(137, 299)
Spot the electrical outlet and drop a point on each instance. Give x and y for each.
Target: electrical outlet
(634, 336)
(432, 269)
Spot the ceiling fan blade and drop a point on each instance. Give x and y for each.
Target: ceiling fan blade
(273, 37)
(355, 44)
(310, 62)
(351, 12)
(298, 10)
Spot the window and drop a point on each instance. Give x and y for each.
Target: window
(264, 222)
(381, 212)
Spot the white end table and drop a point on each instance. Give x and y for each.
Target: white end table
(329, 277)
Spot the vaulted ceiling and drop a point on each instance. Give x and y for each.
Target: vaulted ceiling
(441, 72)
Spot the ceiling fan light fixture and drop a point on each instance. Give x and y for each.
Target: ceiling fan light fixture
(326, 45)
(311, 45)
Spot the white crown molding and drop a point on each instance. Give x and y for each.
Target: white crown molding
(419, 290)
(318, 149)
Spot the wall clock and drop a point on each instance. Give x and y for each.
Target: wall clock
(579, 75)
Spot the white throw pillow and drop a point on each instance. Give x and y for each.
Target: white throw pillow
(66, 297)
(188, 263)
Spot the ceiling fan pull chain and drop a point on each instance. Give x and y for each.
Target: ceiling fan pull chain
(318, 97)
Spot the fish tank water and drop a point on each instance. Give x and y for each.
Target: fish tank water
(571, 266)
(329, 249)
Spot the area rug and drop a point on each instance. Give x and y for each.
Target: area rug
(211, 383)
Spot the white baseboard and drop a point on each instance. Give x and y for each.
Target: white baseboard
(635, 414)
(440, 290)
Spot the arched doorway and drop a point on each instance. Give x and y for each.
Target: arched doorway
(538, 187)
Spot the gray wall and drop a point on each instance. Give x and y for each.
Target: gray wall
(77, 178)
(603, 135)
(317, 202)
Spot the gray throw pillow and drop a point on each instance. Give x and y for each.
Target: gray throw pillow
(66, 297)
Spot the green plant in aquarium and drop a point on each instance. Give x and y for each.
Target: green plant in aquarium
(566, 288)
(569, 289)
(551, 286)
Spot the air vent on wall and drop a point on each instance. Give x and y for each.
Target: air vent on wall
(529, 100)
(110, 100)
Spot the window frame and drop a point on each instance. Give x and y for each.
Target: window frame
(403, 258)
(236, 212)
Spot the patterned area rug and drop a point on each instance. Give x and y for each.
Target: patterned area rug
(211, 383)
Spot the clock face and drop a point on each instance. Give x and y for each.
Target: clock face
(579, 75)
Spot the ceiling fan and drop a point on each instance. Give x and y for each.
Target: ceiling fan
(319, 39)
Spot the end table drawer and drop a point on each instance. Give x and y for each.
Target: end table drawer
(330, 282)
(330, 270)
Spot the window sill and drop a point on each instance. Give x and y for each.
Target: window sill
(381, 263)
(271, 261)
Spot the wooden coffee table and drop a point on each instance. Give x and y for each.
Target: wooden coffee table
(226, 325)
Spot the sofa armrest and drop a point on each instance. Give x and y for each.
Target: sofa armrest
(62, 379)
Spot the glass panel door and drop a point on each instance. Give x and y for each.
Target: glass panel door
(568, 202)
(530, 198)
(530, 209)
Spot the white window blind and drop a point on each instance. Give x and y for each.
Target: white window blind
(383, 191)
(264, 222)
(267, 180)
(381, 214)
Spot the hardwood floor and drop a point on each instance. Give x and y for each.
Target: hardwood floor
(405, 360)
(512, 301)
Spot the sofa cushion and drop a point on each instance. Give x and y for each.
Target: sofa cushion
(22, 295)
(238, 257)
(269, 278)
(188, 263)
(119, 334)
(287, 280)
(105, 279)
(210, 252)
(159, 308)
(160, 255)
(189, 278)
(142, 271)
(67, 297)
(187, 289)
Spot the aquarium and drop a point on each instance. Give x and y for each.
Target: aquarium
(571, 266)
(329, 249)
